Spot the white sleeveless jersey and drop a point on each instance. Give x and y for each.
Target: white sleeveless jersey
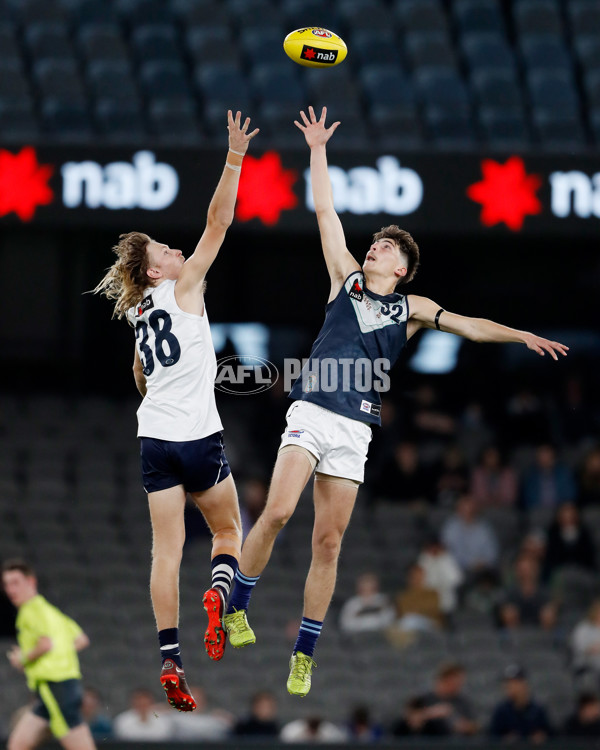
(178, 357)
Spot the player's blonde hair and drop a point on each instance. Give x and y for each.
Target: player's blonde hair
(126, 279)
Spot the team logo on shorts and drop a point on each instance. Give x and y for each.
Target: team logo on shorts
(295, 433)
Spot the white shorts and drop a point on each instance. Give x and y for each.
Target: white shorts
(339, 444)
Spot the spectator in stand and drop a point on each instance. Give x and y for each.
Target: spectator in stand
(449, 711)
(262, 721)
(585, 722)
(369, 610)
(576, 418)
(519, 717)
(418, 606)
(493, 483)
(416, 720)
(585, 642)
(91, 710)
(313, 729)
(527, 603)
(402, 477)
(453, 477)
(569, 542)
(534, 545)
(470, 540)
(442, 573)
(526, 417)
(361, 728)
(211, 725)
(144, 721)
(589, 479)
(429, 421)
(548, 483)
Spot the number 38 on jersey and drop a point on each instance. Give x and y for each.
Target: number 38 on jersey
(161, 344)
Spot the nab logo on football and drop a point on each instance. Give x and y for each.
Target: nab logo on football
(314, 54)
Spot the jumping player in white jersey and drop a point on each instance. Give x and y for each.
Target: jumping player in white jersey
(328, 429)
(162, 296)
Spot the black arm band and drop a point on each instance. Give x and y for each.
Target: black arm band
(437, 318)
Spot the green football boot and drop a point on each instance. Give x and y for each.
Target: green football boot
(238, 631)
(301, 667)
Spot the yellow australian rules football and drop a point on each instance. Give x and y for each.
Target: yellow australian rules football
(315, 47)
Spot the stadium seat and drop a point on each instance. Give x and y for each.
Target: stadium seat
(364, 15)
(588, 51)
(34, 11)
(487, 50)
(102, 42)
(591, 82)
(95, 12)
(537, 17)
(68, 120)
(17, 121)
(10, 50)
(429, 51)
(259, 47)
(112, 80)
(442, 89)
(223, 84)
(174, 120)
(336, 86)
(375, 48)
(153, 42)
(199, 13)
(166, 80)
(584, 16)
(421, 15)
(545, 53)
(258, 14)
(558, 131)
(384, 83)
(300, 13)
(553, 91)
(478, 16)
(503, 128)
(211, 44)
(497, 88)
(59, 79)
(48, 41)
(149, 12)
(277, 84)
(595, 125)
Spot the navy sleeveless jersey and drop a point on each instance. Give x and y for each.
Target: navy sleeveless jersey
(361, 338)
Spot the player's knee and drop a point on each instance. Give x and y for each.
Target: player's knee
(167, 555)
(15, 744)
(276, 518)
(327, 546)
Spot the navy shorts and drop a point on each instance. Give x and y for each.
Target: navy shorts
(196, 464)
(59, 703)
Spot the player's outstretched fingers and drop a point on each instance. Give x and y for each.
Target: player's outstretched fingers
(305, 119)
(323, 115)
(311, 112)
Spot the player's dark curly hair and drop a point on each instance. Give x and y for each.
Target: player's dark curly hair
(407, 246)
(126, 279)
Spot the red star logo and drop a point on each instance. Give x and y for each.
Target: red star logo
(23, 183)
(309, 53)
(265, 189)
(507, 193)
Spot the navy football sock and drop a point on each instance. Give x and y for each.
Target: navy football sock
(168, 640)
(240, 597)
(224, 568)
(309, 632)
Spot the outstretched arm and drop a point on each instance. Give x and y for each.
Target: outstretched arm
(340, 262)
(423, 312)
(220, 210)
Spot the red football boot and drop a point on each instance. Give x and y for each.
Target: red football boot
(215, 637)
(172, 679)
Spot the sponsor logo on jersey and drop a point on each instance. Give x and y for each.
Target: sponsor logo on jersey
(295, 433)
(146, 304)
(356, 291)
(318, 54)
(369, 408)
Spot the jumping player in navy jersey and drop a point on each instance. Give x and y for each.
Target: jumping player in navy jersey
(162, 295)
(367, 324)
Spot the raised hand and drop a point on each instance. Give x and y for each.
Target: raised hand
(314, 130)
(541, 346)
(239, 138)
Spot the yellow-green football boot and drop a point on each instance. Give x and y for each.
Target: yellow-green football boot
(238, 631)
(301, 667)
